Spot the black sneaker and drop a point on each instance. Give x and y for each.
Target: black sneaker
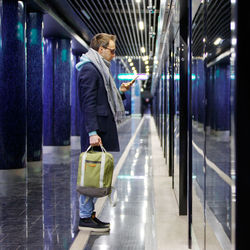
(91, 225)
(98, 221)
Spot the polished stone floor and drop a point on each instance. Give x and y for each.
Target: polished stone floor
(132, 220)
(41, 210)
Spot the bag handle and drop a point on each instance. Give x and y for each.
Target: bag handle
(101, 146)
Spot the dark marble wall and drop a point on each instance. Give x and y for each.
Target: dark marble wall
(12, 85)
(201, 90)
(221, 101)
(34, 86)
(56, 113)
(216, 90)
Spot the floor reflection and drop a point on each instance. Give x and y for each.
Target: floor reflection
(41, 210)
(132, 221)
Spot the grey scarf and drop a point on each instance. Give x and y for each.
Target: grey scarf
(114, 97)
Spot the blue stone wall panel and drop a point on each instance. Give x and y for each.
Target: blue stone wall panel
(201, 91)
(48, 87)
(62, 72)
(34, 86)
(194, 92)
(12, 86)
(211, 109)
(222, 97)
(57, 67)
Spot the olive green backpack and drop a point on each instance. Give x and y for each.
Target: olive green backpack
(95, 172)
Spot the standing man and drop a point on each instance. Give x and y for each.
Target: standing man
(101, 109)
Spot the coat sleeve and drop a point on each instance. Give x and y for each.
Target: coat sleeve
(123, 96)
(88, 83)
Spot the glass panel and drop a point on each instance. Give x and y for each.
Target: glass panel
(198, 118)
(198, 110)
(211, 130)
(218, 152)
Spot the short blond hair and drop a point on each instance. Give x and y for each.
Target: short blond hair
(101, 40)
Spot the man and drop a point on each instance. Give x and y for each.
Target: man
(101, 108)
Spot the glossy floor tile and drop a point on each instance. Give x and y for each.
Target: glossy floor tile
(132, 220)
(41, 211)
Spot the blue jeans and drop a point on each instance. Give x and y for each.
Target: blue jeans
(86, 206)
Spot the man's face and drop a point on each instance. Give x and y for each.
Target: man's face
(108, 52)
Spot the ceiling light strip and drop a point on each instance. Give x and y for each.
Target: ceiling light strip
(141, 30)
(154, 25)
(128, 27)
(98, 17)
(128, 44)
(136, 24)
(109, 28)
(103, 22)
(149, 38)
(131, 22)
(146, 32)
(120, 29)
(116, 31)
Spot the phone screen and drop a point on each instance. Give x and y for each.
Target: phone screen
(134, 79)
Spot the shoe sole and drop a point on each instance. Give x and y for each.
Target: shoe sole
(93, 229)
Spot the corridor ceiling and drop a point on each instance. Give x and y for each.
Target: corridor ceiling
(134, 22)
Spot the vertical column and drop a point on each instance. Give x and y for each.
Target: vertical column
(12, 85)
(57, 64)
(75, 106)
(48, 93)
(34, 86)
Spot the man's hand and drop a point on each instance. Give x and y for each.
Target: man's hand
(95, 140)
(126, 86)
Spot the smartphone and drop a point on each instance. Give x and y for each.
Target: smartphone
(134, 80)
